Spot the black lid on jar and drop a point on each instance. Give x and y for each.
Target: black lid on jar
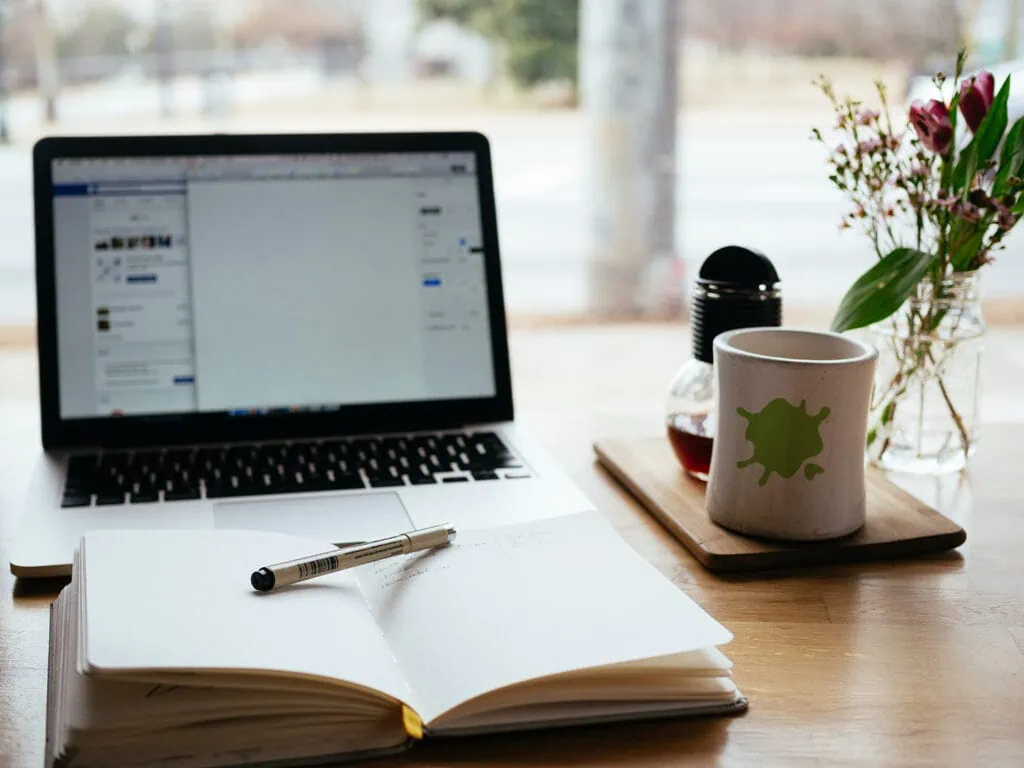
(736, 288)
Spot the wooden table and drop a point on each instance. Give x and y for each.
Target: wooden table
(905, 663)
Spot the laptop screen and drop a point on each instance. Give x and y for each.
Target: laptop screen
(258, 284)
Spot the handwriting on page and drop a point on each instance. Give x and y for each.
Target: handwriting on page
(521, 543)
(392, 572)
(399, 570)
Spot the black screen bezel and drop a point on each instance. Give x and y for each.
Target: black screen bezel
(190, 428)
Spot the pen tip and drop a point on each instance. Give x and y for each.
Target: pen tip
(262, 580)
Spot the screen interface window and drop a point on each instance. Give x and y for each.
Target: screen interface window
(261, 284)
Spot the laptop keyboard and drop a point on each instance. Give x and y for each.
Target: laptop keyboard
(178, 474)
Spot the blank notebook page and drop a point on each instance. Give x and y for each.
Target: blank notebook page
(181, 600)
(511, 604)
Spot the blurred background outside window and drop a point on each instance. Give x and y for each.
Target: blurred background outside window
(630, 137)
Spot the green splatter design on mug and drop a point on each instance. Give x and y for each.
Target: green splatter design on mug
(784, 437)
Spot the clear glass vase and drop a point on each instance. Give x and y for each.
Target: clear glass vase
(924, 409)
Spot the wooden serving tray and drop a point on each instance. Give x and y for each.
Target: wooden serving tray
(897, 523)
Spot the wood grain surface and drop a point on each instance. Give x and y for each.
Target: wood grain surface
(898, 524)
(915, 662)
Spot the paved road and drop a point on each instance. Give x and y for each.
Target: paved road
(756, 180)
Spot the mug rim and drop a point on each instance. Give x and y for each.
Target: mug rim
(723, 344)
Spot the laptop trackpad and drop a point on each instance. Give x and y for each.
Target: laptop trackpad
(337, 519)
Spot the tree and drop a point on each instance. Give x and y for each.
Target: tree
(102, 30)
(880, 29)
(193, 30)
(539, 37)
(17, 44)
(301, 24)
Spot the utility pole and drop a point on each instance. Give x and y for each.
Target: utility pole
(628, 76)
(47, 79)
(162, 37)
(219, 77)
(1012, 35)
(5, 130)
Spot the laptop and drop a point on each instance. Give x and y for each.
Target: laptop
(301, 333)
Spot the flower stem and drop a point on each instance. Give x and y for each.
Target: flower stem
(964, 437)
(914, 353)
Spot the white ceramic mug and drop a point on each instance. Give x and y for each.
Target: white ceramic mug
(788, 455)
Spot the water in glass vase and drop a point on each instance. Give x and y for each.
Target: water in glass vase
(925, 404)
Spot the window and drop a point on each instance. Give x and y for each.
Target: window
(631, 137)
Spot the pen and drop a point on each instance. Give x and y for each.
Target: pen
(304, 568)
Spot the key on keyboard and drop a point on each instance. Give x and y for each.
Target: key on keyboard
(178, 474)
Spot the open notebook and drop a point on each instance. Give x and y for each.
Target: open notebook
(161, 652)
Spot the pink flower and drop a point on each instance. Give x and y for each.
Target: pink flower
(931, 121)
(1005, 218)
(970, 213)
(976, 98)
(869, 146)
(867, 116)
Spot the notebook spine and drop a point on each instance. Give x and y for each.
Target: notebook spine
(412, 723)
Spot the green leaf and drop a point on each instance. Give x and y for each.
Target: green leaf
(953, 114)
(947, 161)
(882, 289)
(1018, 207)
(985, 141)
(889, 412)
(967, 250)
(970, 172)
(1010, 159)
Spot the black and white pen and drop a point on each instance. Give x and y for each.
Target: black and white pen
(272, 577)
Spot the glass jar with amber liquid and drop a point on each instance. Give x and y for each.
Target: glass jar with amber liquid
(736, 288)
